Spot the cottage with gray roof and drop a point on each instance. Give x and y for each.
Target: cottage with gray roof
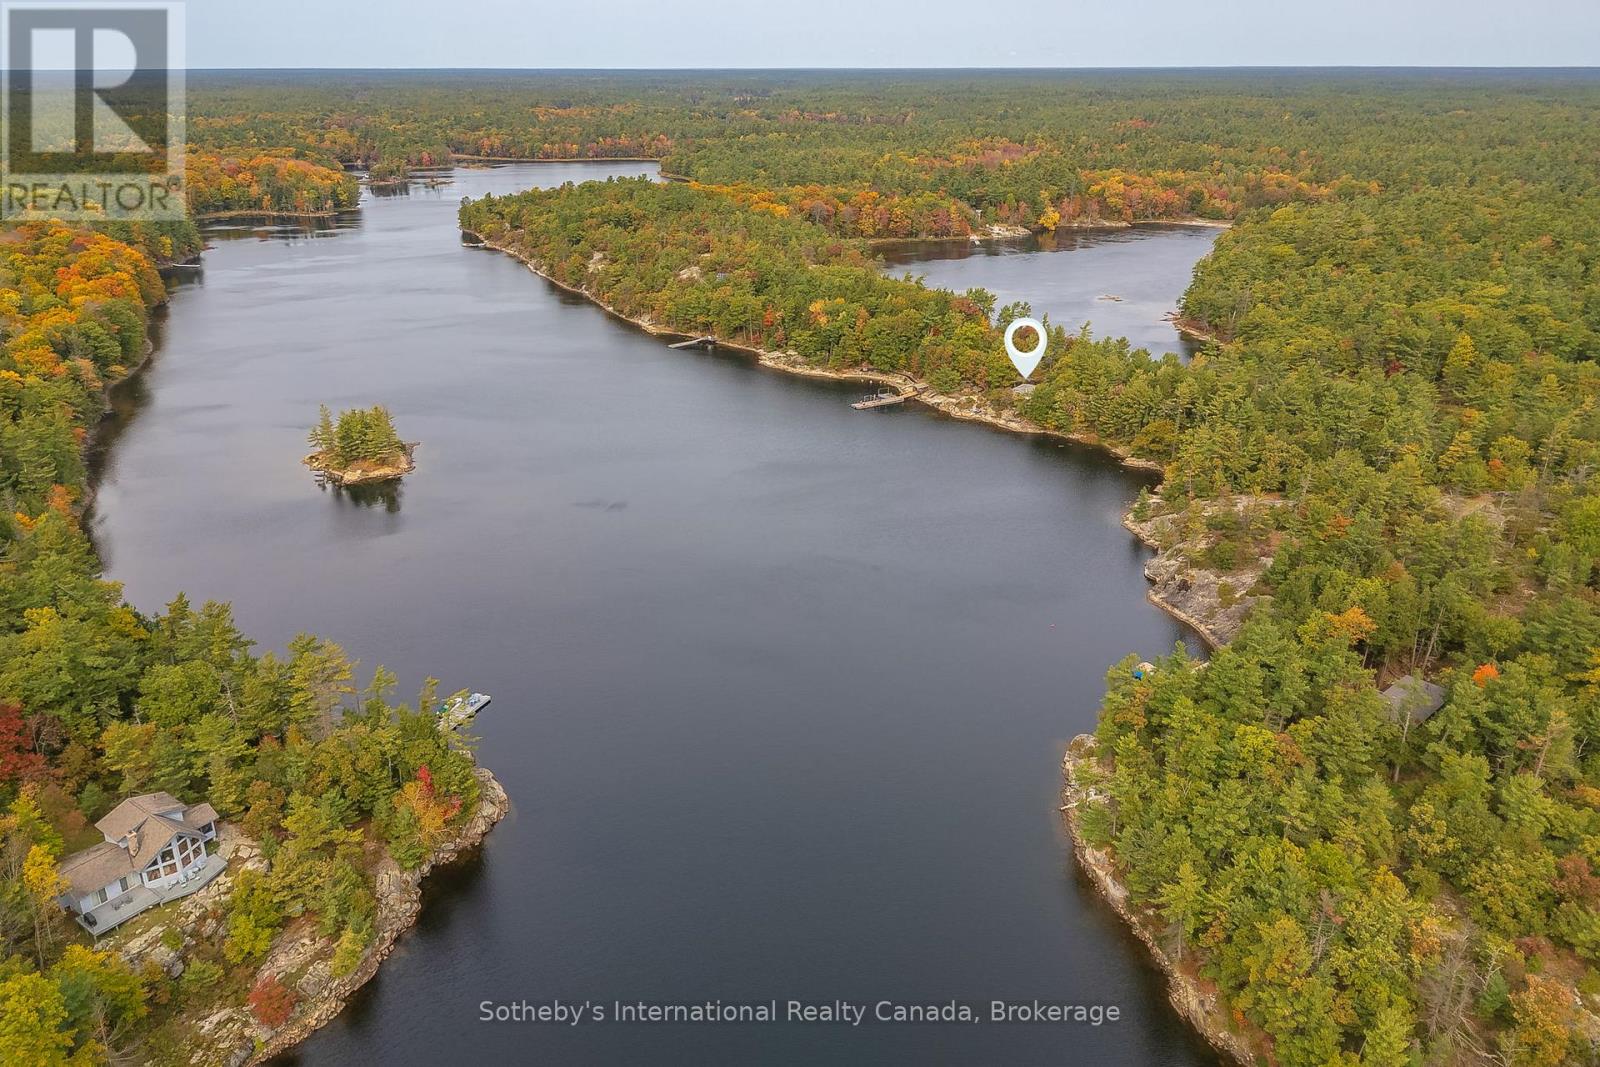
(154, 851)
(1413, 699)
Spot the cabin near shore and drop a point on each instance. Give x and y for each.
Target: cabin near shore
(1413, 700)
(154, 851)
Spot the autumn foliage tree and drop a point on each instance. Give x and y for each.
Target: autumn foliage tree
(271, 1002)
(420, 818)
(19, 761)
(266, 183)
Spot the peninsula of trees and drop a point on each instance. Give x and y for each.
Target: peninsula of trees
(360, 446)
(260, 183)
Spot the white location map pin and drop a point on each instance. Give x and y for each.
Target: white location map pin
(1025, 361)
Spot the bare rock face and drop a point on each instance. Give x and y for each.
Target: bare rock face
(314, 983)
(151, 947)
(195, 917)
(240, 850)
(1215, 603)
(229, 1038)
(363, 472)
(293, 954)
(1195, 596)
(1002, 231)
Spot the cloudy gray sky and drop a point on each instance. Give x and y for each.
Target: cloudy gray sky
(891, 33)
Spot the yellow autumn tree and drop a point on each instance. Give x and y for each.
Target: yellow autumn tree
(41, 877)
(32, 1018)
(1049, 218)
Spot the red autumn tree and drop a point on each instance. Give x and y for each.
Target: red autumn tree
(271, 1002)
(18, 760)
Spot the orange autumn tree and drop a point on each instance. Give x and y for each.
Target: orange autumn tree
(421, 818)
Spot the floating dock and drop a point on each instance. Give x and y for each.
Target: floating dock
(694, 342)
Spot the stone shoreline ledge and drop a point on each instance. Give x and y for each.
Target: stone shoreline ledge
(363, 473)
(228, 1034)
(1198, 1002)
(399, 894)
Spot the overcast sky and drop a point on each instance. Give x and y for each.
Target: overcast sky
(891, 33)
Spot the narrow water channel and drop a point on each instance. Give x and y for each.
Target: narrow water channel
(1119, 283)
(780, 688)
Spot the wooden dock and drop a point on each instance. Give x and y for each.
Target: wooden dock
(881, 399)
(694, 342)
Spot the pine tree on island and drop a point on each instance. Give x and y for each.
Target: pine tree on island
(360, 445)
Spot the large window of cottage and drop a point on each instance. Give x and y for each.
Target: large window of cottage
(169, 863)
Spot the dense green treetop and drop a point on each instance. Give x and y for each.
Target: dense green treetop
(359, 435)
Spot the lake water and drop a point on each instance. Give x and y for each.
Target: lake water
(1122, 283)
(780, 688)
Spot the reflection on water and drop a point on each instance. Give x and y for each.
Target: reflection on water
(370, 495)
(282, 229)
(421, 180)
(1121, 283)
(780, 688)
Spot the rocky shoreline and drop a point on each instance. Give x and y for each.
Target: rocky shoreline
(958, 406)
(1119, 224)
(454, 156)
(1008, 231)
(1192, 594)
(399, 895)
(269, 216)
(364, 473)
(1196, 1000)
(91, 486)
(1194, 329)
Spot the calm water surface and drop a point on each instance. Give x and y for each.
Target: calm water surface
(1122, 283)
(781, 688)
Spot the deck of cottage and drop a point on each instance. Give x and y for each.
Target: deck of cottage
(140, 899)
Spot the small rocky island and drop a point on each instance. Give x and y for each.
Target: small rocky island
(360, 446)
